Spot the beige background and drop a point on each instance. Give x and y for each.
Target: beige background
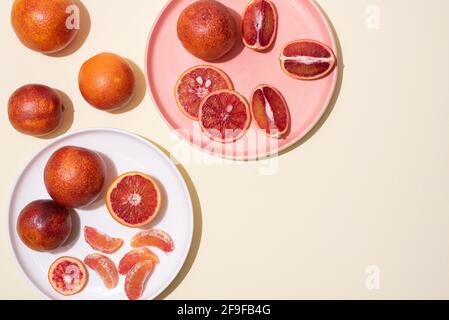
(369, 188)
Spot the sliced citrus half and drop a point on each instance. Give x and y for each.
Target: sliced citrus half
(136, 278)
(135, 256)
(224, 116)
(101, 241)
(195, 84)
(153, 238)
(67, 275)
(133, 199)
(307, 59)
(259, 24)
(104, 267)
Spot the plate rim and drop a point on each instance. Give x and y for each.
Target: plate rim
(101, 129)
(265, 154)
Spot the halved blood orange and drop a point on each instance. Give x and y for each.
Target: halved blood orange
(307, 59)
(224, 116)
(67, 275)
(195, 84)
(136, 278)
(259, 24)
(153, 238)
(270, 111)
(133, 199)
(135, 256)
(101, 241)
(104, 267)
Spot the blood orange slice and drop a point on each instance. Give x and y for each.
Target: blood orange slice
(134, 257)
(67, 276)
(136, 278)
(270, 111)
(133, 199)
(259, 25)
(104, 267)
(100, 241)
(224, 116)
(307, 59)
(153, 238)
(195, 84)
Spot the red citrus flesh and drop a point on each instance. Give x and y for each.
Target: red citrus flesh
(136, 278)
(104, 267)
(224, 116)
(67, 276)
(307, 60)
(153, 238)
(135, 256)
(133, 199)
(195, 84)
(270, 111)
(259, 25)
(100, 241)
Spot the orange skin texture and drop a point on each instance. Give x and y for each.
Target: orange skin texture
(35, 110)
(74, 177)
(106, 81)
(41, 25)
(207, 29)
(43, 225)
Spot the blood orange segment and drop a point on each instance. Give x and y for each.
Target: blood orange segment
(153, 238)
(259, 24)
(67, 275)
(136, 278)
(100, 241)
(270, 111)
(104, 267)
(195, 84)
(307, 59)
(134, 199)
(134, 257)
(224, 116)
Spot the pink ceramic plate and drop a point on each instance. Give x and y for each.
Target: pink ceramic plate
(166, 60)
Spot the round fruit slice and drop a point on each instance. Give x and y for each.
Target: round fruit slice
(195, 84)
(270, 111)
(259, 25)
(307, 59)
(224, 116)
(67, 276)
(136, 278)
(133, 199)
(104, 267)
(134, 257)
(153, 238)
(100, 241)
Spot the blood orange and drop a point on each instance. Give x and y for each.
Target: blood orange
(224, 116)
(100, 241)
(270, 111)
(133, 199)
(259, 25)
(135, 256)
(104, 267)
(136, 278)
(307, 59)
(153, 238)
(195, 84)
(67, 276)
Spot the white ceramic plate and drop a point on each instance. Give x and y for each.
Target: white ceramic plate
(122, 152)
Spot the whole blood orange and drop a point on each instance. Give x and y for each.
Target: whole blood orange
(307, 59)
(136, 278)
(195, 84)
(104, 267)
(135, 256)
(100, 241)
(67, 275)
(270, 111)
(259, 25)
(133, 199)
(153, 238)
(224, 116)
